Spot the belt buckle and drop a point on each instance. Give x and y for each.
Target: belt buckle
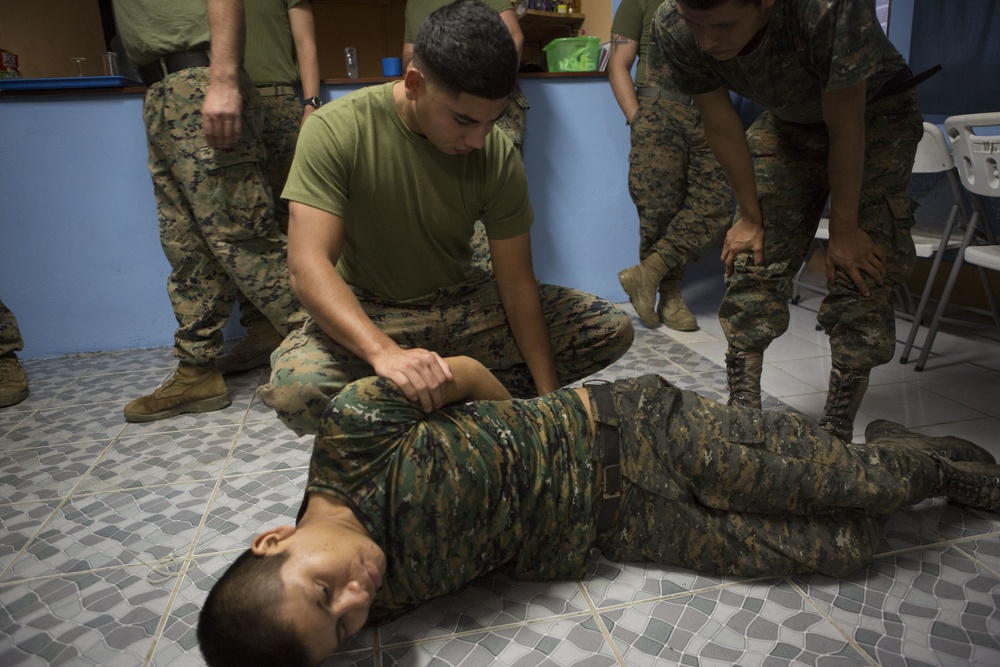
(611, 487)
(164, 70)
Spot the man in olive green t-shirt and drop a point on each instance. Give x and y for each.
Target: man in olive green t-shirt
(385, 189)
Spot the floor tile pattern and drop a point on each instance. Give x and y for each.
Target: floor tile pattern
(112, 533)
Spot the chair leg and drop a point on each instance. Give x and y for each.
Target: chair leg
(990, 296)
(943, 303)
(797, 278)
(918, 317)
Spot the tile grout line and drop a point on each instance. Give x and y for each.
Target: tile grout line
(848, 637)
(601, 625)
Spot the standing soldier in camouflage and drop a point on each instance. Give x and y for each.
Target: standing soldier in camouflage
(213, 202)
(840, 122)
(280, 55)
(675, 181)
(403, 505)
(13, 380)
(385, 189)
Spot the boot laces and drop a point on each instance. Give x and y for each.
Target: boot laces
(969, 486)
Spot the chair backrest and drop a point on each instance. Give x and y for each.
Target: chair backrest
(933, 154)
(977, 156)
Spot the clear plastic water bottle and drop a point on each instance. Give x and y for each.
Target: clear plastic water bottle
(351, 59)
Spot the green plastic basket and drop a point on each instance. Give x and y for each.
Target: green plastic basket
(573, 54)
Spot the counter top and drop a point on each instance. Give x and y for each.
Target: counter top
(93, 88)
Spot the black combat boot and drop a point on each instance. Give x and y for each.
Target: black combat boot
(970, 484)
(948, 446)
(743, 370)
(847, 389)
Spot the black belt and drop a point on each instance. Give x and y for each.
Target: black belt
(175, 62)
(661, 94)
(606, 453)
(903, 81)
(274, 89)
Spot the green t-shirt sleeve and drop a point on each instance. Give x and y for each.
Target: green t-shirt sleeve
(628, 20)
(507, 208)
(320, 174)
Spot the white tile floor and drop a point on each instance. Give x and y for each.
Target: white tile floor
(111, 533)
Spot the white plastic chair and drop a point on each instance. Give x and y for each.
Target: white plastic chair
(933, 157)
(977, 160)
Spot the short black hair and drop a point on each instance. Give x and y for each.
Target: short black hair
(239, 624)
(466, 47)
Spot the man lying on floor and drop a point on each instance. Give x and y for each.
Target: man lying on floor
(403, 505)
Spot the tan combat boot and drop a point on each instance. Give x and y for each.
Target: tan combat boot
(672, 310)
(843, 398)
(640, 282)
(13, 381)
(743, 371)
(254, 350)
(190, 388)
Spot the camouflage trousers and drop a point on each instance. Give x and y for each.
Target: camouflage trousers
(791, 168)
(282, 119)
(743, 492)
(309, 368)
(10, 335)
(677, 186)
(282, 114)
(214, 210)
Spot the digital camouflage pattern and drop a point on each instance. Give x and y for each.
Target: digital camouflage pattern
(587, 335)
(790, 165)
(10, 335)
(677, 186)
(453, 494)
(737, 491)
(512, 486)
(515, 118)
(282, 117)
(215, 218)
(808, 46)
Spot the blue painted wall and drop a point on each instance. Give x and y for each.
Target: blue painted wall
(80, 259)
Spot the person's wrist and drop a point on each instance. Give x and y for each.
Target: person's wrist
(314, 102)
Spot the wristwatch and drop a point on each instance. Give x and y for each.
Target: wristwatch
(313, 101)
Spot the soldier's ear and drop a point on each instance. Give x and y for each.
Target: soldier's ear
(272, 541)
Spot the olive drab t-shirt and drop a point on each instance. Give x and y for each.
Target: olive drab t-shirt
(269, 52)
(408, 208)
(632, 20)
(417, 10)
(151, 29)
(809, 46)
(461, 491)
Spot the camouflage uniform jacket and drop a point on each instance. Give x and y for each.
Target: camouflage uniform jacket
(462, 491)
(808, 46)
